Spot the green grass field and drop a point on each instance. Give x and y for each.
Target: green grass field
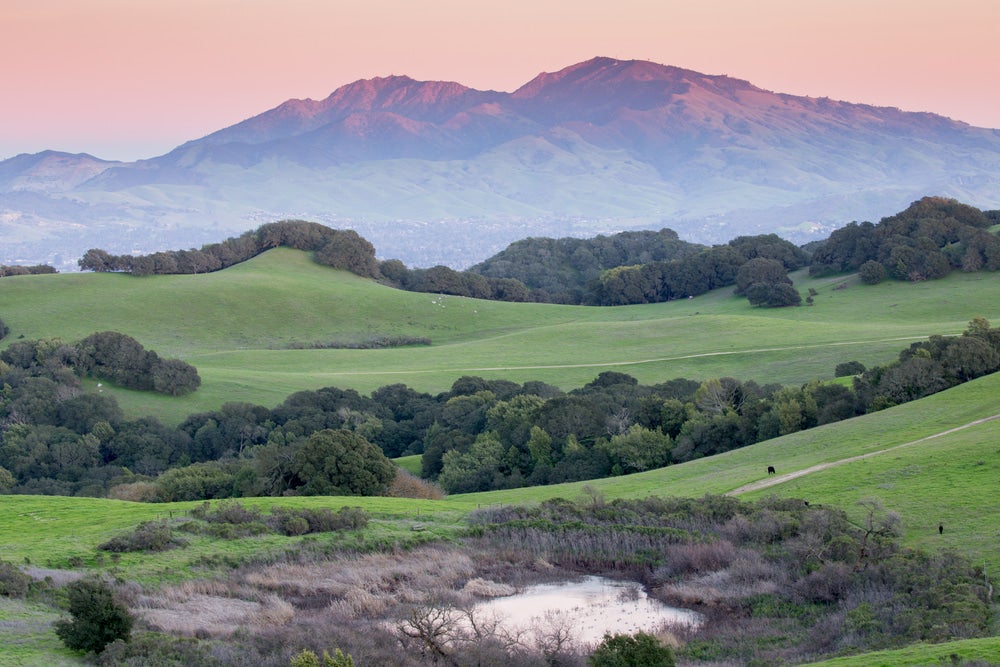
(980, 650)
(236, 327)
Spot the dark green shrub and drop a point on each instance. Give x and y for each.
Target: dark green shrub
(148, 536)
(149, 648)
(871, 272)
(638, 650)
(294, 525)
(319, 520)
(98, 619)
(848, 368)
(233, 512)
(13, 582)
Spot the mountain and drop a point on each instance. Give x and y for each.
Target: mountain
(439, 173)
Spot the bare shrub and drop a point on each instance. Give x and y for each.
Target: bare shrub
(765, 526)
(227, 512)
(407, 485)
(365, 603)
(751, 567)
(749, 574)
(484, 588)
(398, 577)
(137, 492)
(462, 636)
(53, 576)
(13, 582)
(148, 536)
(316, 520)
(827, 584)
(697, 558)
(555, 639)
(273, 611)
(201, 614)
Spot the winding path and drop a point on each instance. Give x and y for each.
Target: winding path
(780, 479)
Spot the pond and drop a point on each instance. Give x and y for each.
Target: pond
(591, 606)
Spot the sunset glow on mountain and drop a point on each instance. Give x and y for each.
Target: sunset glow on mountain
(126, 80)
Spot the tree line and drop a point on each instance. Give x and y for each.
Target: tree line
(18, 270)
(106, 355)
(579, 270)
(928, 240)
(340, 249)
(479, 435)
(931, 238)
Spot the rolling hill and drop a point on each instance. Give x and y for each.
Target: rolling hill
(439, 173)
(241, 326)
(931, 461)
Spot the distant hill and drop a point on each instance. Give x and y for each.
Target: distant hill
(439, 173)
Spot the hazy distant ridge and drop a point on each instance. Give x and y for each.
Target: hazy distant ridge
(436, 172)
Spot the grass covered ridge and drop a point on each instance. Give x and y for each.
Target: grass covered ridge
(237, 327)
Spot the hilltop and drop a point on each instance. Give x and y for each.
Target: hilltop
(439, 173)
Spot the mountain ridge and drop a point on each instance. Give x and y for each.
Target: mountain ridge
(601, 146)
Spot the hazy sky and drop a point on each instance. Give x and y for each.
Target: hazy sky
(125, 79)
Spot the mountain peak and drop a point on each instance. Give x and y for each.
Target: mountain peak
(606, 72)
(403, 94)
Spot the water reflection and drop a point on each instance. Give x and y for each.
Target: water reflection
(591, 607)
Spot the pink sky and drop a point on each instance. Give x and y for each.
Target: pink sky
(125, 79)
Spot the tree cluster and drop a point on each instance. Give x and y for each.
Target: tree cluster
(340, 249)
(625, 268)
(560, 270)
(702, 272)
(106, 355)
(479, 435)
(931, 238)
(18, 270)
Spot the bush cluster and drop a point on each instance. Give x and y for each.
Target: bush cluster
(13, 582)
(771, 568)
(148, 536)
(97, 617)
(230, 520)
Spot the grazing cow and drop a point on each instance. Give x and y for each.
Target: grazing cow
(940, 529)
(770, 470)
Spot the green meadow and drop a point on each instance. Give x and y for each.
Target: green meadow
(983, 651)
(934, 462)
(239, 327)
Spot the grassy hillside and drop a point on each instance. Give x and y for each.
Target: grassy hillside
(928, 460)
(983, 651)
(236, 326)
(931, 460)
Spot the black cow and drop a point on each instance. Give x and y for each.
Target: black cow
(770, 470)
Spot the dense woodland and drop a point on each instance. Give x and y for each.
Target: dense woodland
(479, 435)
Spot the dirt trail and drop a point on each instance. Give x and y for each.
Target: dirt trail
(773, 480)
